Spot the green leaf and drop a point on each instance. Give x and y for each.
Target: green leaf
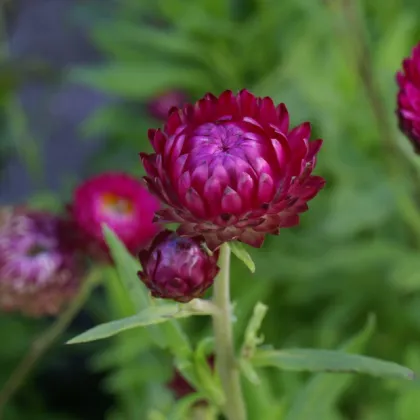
(252, 340)
(127, 267)
(320, 394)
(405, 274)
(407, 404)
(139, 81)
(249, 372)
(207, 381)
(124, 35)
(312, 360)
(238, 249)
(149, 316)
(352, 211)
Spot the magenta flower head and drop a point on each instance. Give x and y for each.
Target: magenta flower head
(40, 270)
(229, 168)
(408, 109)
(161, 104)
(177, 268)
(122, 203)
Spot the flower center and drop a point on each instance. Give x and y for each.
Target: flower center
(225, 136)
(214, 141)
(117, 204)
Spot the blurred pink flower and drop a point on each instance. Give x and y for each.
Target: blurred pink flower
(121, 202)
(408, 109)
(161, 104)
(40, 269)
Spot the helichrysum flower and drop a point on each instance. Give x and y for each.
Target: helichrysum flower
(408, 109)
(40, 269)
(177, 268)
(161, 104)
(229, 168)
(121, 202)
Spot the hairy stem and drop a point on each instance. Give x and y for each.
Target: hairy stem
(226, 365)
(41, 344)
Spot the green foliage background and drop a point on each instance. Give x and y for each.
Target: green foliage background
(356, 251)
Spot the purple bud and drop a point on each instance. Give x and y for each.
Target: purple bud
(177, 268)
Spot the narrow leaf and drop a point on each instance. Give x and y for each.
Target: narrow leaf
(127, 267)
(149, 316)
(312, 360)
(322, 391)
(238, 249)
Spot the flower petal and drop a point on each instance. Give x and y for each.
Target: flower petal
(231, 201)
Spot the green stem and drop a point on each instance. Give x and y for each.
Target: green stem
(226, 365)
(41, 344)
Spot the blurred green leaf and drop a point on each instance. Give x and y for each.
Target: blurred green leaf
(319, 395)
(206, 379)
(124, 35)
(311, 360)
(407, 405)
(139, 81)
(355, 208)
(406, 273)
(127, 267)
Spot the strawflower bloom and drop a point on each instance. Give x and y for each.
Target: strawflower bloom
(408, 109)
(229, 168)
(121, 202)
(161, 104)
(40, 270)
(177, 268)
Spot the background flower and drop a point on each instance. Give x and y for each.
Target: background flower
(160, 105)
(121, 202)
(40, 269)
(408, 98)
(180, 386)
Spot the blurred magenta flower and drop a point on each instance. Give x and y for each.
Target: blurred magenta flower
(177, 268)
(179, 385)
(161, 104)
(40, 269)
(229, 168)
(121, 202)
(408, 98)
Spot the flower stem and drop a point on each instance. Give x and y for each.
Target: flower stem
(41, 344)
(226, 365)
